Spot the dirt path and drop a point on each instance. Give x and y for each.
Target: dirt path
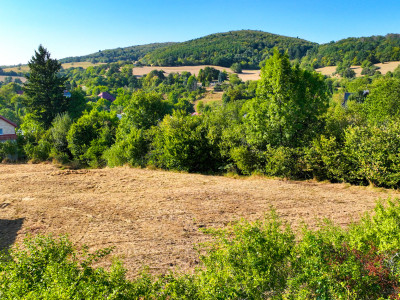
(153, 217)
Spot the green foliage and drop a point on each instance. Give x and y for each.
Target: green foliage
(45, 87)
(373, 153)
(383, 104)
(59, 131)
(247, 47)
(76, 104)
(289, 105)
(133, 53)
(37, 145)
(91, 135)
(182, 142)
(373, 49)
(236, 67)
(50, 268)
(8, 149)
(131, 146)
(247, 261)
(146, 109)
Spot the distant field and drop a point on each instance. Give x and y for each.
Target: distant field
(23, 68)
(83, 64)
(384, 68)
(23, 79)
(246, 75)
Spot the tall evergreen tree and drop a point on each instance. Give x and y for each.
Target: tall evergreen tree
(45, 87)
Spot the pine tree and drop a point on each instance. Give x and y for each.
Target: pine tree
(45, 87)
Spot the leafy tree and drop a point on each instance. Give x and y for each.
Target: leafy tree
(91, 135)
(146, 109)
(45, 87)
(59, 130)
(289, 105)
(236, 67)
(383, 104)
(182, 142)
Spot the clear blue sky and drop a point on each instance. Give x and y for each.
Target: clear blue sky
(72, 28)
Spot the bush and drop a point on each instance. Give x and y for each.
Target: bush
(50, 268)
(182, 142)
(91, 135)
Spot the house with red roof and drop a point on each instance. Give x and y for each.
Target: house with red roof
(7, 129)
(107, 96)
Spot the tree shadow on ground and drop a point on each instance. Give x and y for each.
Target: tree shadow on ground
(8, 232)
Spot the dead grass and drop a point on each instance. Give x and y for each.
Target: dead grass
(153, 217)
(383, 68)
(246, 75)
(2, 78)
(83, 64)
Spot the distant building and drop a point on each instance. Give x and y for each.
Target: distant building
(107, 96)
(20, 92)
(7, 129)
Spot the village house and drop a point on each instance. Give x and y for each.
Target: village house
(107, 96)
(7, 129)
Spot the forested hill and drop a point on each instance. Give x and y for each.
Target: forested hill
(132, 53)
(250, 47)
(247, 47)
(355, 51)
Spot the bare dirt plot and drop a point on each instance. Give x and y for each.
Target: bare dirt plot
(153, 217)
(245, 75)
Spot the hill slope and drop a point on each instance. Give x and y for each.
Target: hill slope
(132, 53)
(356, 50)
(250, 47)
(247, 47)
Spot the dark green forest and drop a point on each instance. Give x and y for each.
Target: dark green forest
(249, 48)
(133, 53)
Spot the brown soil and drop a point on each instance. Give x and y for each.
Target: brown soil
(153, 217)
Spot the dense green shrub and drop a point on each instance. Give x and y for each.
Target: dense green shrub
(182, 142)
(50, 268)
(91, 135)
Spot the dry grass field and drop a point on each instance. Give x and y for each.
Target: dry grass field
(246, 75)
(153, 217)
(383, 68)
(23, 79)
(83, 64)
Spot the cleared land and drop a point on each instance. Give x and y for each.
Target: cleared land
(153, 217)
(23, 79)
(83, 64)
(245, 75)
(383, 68)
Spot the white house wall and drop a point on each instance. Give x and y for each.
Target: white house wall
(7, 128)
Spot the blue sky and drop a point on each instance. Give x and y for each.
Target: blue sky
(72, 28)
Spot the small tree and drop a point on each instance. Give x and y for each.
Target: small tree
(236, 67)
(45, 87)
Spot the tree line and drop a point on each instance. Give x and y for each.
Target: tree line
(291, 123)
